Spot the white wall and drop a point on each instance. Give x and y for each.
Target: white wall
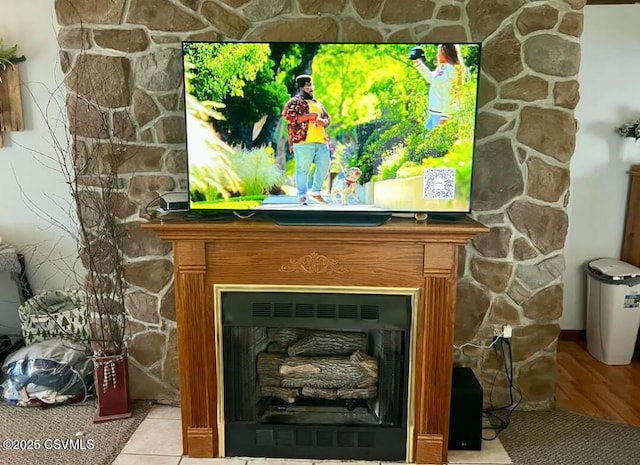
(32, 194)
(609, 97)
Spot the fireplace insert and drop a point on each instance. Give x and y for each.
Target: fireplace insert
(315, 375)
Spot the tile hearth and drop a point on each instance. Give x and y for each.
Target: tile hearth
(158, 441)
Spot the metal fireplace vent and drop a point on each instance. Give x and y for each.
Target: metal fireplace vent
(316, 310)
(304, 310)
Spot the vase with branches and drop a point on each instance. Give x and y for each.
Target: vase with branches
(96, 188)
(90, 153)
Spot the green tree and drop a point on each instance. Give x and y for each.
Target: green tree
(359, 84)
(378, 155)
(253, 81)
(220, 71)
(211, 174)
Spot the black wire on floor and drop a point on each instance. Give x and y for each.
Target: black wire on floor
(497, 418)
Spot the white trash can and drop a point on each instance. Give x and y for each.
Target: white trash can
(613, 310)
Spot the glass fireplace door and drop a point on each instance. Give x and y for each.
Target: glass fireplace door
(316, 375)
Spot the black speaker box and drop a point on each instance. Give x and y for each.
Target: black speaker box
(465, 421)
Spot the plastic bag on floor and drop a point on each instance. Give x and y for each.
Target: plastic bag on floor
(48, 372)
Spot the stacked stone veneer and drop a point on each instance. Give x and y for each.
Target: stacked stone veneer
(526, 136)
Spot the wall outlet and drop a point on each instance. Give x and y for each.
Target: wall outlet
(507, 331)
(497, 331)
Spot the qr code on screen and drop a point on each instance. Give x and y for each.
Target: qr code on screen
(439, 183)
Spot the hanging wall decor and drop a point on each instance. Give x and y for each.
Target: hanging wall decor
(10, 100)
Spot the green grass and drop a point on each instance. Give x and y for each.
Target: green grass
(234, 203)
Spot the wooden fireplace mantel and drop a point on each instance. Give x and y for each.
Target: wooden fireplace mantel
(402, 253)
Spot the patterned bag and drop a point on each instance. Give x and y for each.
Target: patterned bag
(54, 314)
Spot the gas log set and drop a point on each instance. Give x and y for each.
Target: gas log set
(317, 364)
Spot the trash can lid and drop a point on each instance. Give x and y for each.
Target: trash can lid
(615, 269)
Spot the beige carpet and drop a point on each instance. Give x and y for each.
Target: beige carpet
(559, 437)
(63, 435)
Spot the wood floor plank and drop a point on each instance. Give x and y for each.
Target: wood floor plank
(572, 399)
(588, 386)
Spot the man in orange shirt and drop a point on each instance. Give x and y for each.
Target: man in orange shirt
(307, 120)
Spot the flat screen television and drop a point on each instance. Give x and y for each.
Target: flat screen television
(316, 133)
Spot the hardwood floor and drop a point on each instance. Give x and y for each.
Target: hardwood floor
(588, 386)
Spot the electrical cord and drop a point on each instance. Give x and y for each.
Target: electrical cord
(477, 346)
(498, 417)
(243, 217)
(155, 199)
(509, 374)
(146, 208)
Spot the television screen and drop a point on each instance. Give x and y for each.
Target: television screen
(351, 129)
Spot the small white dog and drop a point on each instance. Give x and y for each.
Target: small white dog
(346, 186)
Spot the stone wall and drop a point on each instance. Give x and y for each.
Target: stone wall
(526, 136)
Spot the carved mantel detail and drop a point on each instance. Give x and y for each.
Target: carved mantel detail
(313, 263)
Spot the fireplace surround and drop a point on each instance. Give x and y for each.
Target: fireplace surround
(401, 257)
